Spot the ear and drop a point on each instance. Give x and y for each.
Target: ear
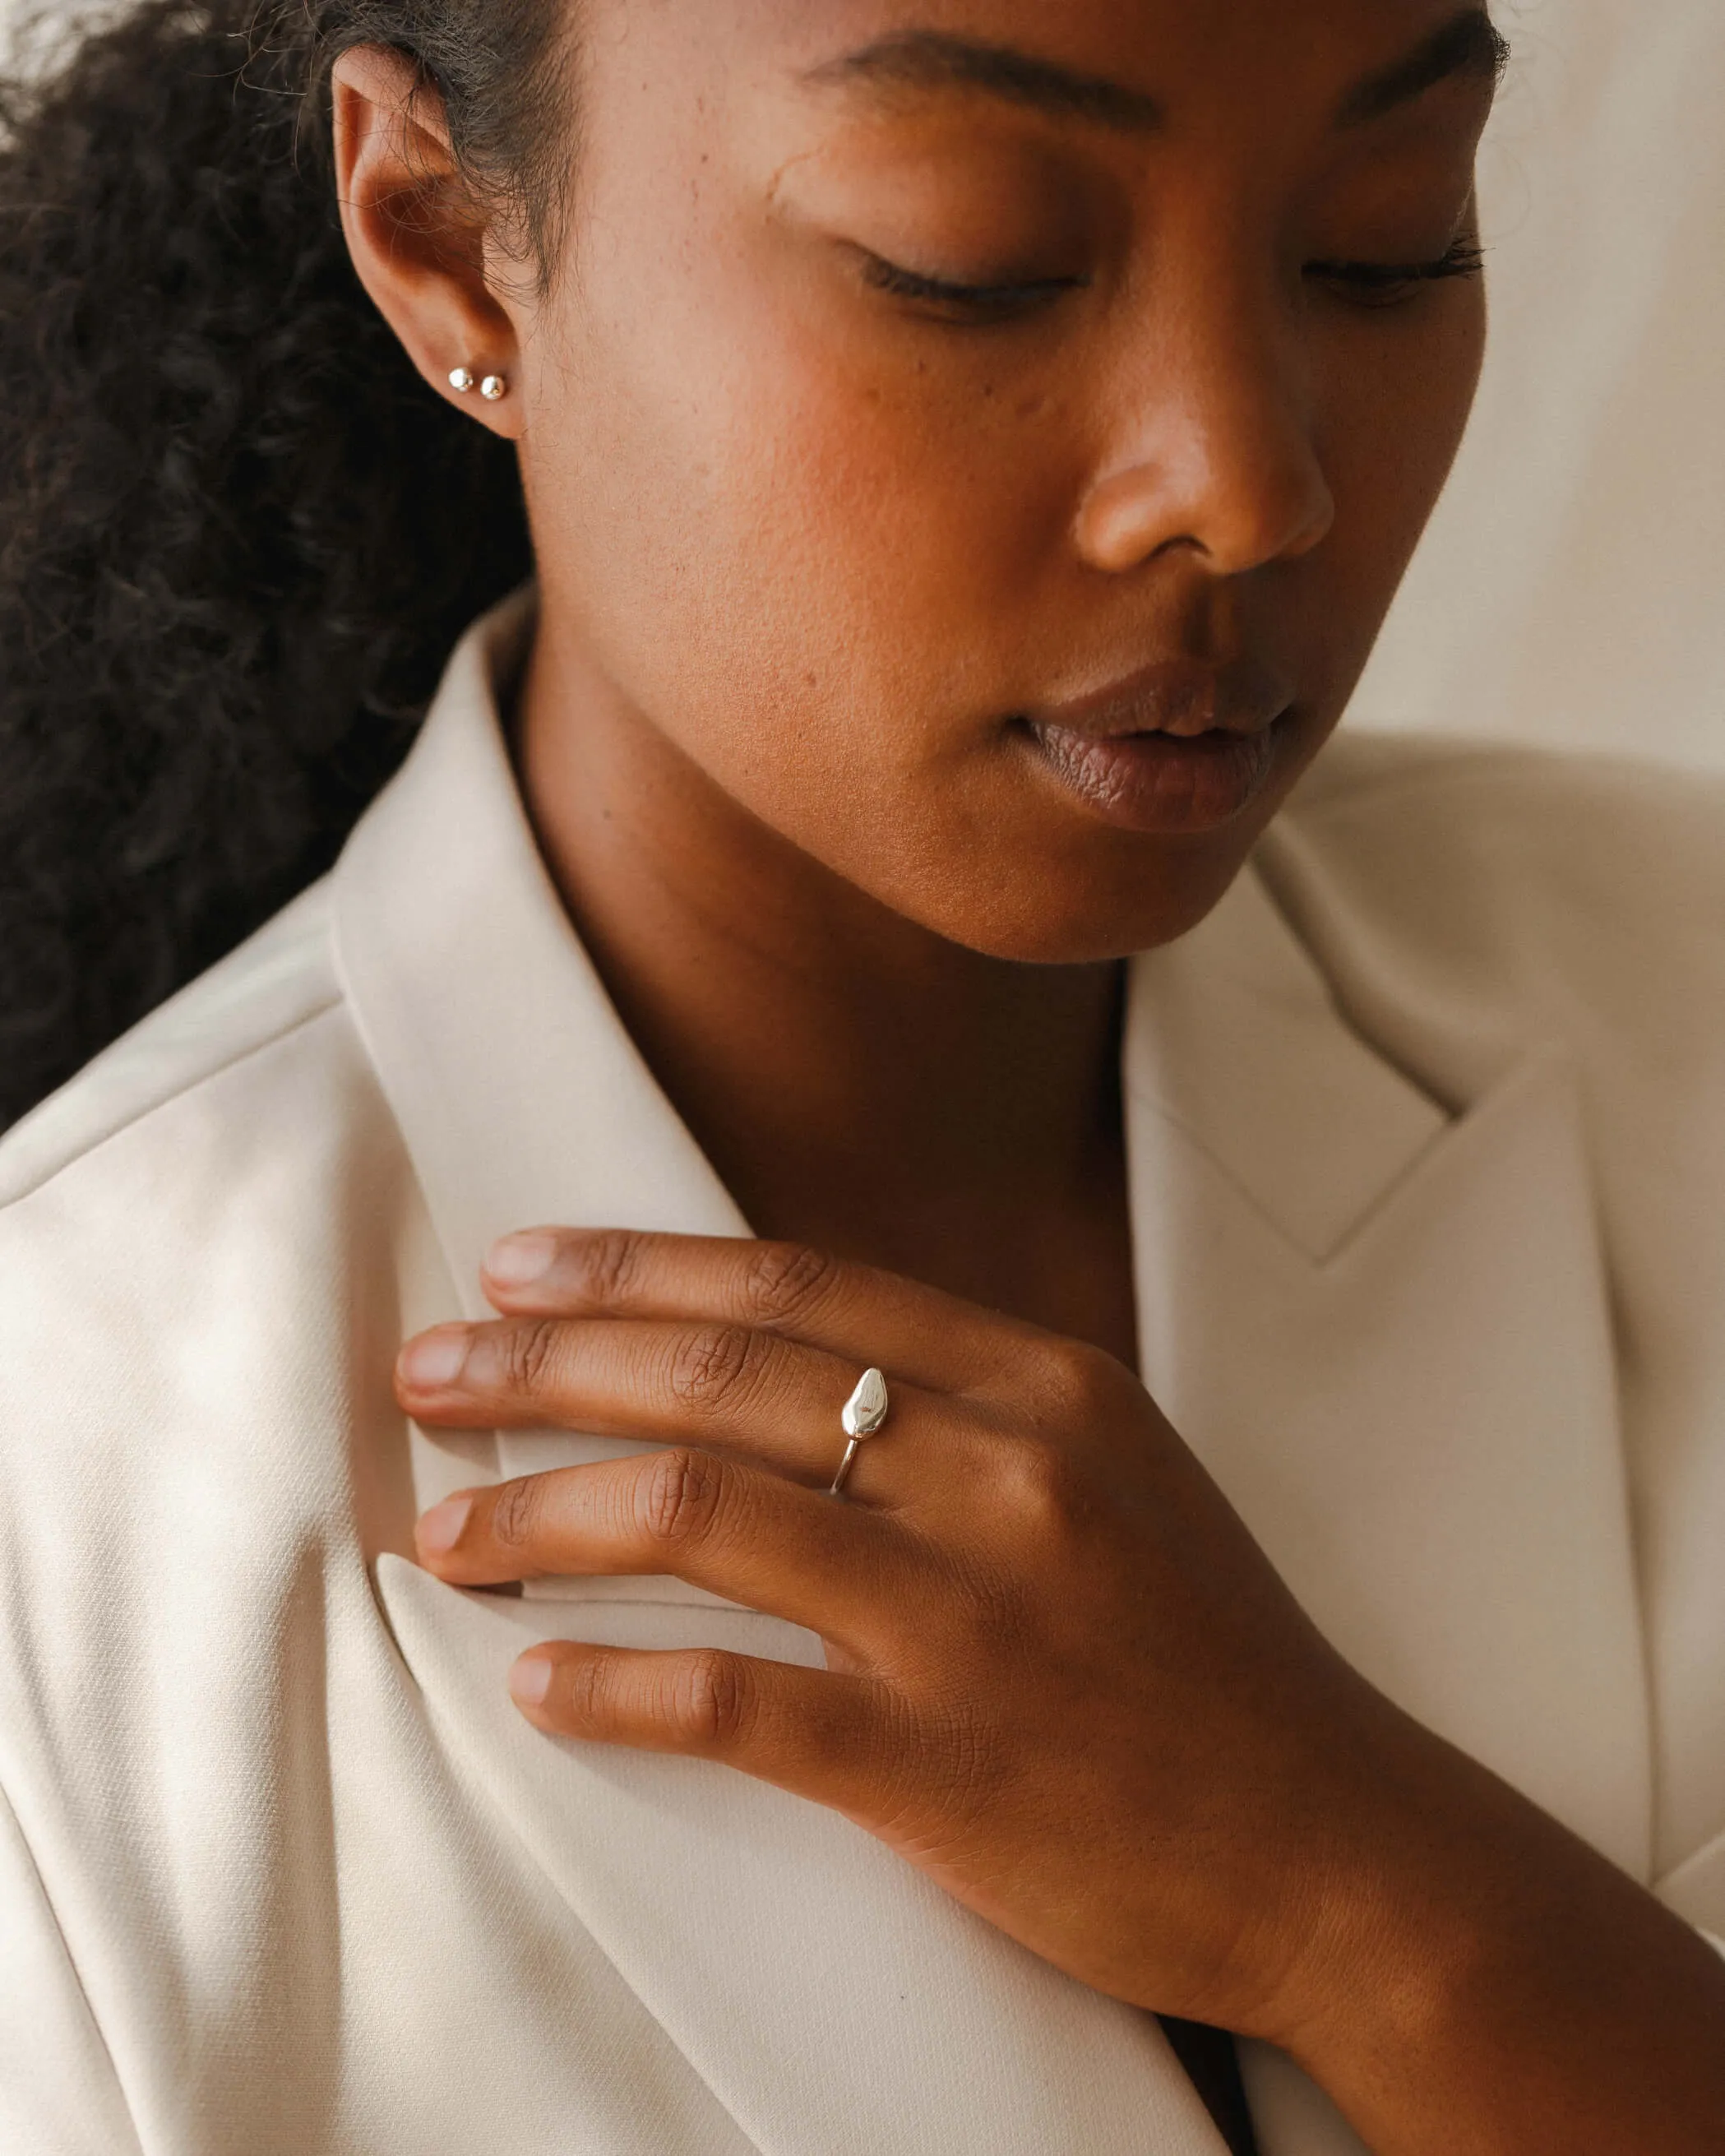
(418, 239)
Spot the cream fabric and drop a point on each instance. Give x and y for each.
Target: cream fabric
(1427, 1159)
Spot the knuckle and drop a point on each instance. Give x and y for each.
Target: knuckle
(714, 1364)
(588, 1693)
(1040, 1481)
(783, 1281)
(680, 1496)
(516, 1512)
(609, 1265)
(1076, 1383)
(711, 1700)
(529, 1353)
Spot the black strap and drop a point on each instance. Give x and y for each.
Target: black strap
(1213, 2064)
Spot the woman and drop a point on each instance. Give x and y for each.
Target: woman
(1201, 1503)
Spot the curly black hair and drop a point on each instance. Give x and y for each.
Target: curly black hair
(238, 534)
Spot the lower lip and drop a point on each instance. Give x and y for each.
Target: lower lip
(1161, 782)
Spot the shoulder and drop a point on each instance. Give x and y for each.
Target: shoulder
(187, 1209)
(199, 1240)
(268, 990)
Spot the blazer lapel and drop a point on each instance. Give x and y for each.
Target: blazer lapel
(829, 1995)
(1382, 1327)
(1386, 1332)
(520, 1096)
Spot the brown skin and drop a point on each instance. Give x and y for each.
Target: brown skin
(810, 552)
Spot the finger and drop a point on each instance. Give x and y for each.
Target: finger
(735, 1530)
(809, 1730)
(854, 1312)
(718, 1384)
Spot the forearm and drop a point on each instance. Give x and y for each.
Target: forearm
(1499, 1990)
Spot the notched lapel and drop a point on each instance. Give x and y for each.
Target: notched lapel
(1695, 1890)
(831, 1997)
(1386, 1332)
(1411, 1401)
(1233, 1036)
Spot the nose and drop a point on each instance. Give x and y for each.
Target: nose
(1213, 451)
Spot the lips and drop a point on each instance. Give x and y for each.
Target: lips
(1178, 746)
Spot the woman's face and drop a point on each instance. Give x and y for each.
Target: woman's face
(984, 437)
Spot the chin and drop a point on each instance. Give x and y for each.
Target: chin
(1061, 913)
(1041, 869)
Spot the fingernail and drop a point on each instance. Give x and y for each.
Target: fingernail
(441, 1529)
(518, 1261)
(435, 1358)
(529, 1680)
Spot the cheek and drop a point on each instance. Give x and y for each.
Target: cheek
(824, 570)
(1398, 402)
(776, 515)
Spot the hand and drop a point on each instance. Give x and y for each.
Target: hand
(1064, 1681)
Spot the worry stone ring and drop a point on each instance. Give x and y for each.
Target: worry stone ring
(862, 1416)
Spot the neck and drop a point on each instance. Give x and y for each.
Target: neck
(857, 1081)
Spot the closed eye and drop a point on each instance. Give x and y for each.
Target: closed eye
(1373, 284)
(974, 303)
(1381, 283)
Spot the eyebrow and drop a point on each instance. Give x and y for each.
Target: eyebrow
(1469, 45)
(935, 59)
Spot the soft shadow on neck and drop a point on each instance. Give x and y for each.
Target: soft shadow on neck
(856, 1081)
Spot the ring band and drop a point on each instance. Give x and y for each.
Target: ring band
(861, 1416)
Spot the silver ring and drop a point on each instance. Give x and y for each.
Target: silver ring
(861, 1416)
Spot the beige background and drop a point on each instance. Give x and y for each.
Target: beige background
(1570, 588)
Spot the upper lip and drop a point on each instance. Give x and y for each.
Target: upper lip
(1184, 697)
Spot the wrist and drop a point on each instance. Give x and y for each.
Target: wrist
(1477, 1978)
(1442, 1895)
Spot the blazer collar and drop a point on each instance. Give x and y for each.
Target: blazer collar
(1382, 1324)
(519, 1095)
(522, 1098)
(1234, 1039)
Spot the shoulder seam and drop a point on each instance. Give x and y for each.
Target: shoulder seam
(274, 1039)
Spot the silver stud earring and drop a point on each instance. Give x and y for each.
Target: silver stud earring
(460, 379)
(493, 386)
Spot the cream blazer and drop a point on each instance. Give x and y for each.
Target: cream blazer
(1426, 1129)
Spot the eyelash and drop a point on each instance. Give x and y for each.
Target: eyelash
(983, 302)
(1382, 283)
(1371, 284)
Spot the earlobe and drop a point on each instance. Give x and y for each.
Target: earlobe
(417, 234)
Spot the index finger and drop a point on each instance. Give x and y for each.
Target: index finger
(868, 1316)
